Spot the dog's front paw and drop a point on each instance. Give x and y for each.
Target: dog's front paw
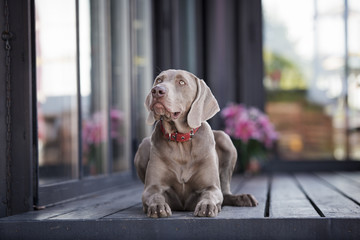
(206, 208)
(242, 200)
(159, 210)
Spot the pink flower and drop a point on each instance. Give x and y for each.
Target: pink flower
(116, 117)
(244, 130)
(248, 123)
(232, 110)
(94, 130)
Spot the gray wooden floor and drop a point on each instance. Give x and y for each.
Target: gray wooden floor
(299, 206)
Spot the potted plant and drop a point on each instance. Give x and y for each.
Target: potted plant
(252, 134)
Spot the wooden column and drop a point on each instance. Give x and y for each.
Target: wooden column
(16, 176)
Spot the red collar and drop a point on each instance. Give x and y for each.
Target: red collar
(178, 137)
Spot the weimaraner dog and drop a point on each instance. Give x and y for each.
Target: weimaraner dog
(185, 165)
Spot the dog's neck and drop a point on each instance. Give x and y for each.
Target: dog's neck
(180, 126)
(177, 136)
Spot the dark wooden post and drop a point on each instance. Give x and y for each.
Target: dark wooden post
(250, 64)
(16, 176)
(233, 58)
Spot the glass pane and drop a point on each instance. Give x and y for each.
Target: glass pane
(304, 52)
(354, 78)
(94, 75)
(56, 90)
(142, 62)
(120, 90)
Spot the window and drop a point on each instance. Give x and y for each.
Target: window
(90, 65)
(57, 91)
(311, 57)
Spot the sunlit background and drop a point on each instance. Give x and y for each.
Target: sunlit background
(312, 67)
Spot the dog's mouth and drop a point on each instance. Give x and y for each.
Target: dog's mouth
(161, 110)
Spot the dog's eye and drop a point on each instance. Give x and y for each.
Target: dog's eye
(182, 82)
(159, 80)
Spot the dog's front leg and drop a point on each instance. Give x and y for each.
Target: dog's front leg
(154, 202)
(210, 202)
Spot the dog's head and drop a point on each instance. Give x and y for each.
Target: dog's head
(178, 95)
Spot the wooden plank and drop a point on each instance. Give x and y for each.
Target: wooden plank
(287, 200)
(256, 186)
(330, 202)
(55, 193)
(355, 176)
(136, 212)
(232, 222)
(236, 182)
(200, 228)
(342, 184)
(101, 209)
(93, 200)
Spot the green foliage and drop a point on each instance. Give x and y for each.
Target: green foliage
(247, 150)
(283, 71)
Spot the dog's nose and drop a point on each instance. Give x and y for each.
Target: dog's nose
(158, 91)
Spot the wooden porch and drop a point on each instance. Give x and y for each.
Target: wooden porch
(296, 206)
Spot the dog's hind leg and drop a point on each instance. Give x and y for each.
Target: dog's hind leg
(227, 159)
(227, 155)
(142, 157)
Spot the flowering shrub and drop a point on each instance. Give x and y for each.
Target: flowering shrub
(94, 129)
(248, 123)
(95, 136)
(251, 131)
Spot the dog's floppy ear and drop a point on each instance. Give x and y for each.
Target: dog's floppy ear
(150, 119)
(204, 106)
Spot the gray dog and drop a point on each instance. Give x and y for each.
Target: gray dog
(185, 165)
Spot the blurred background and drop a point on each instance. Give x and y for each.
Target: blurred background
(298, 61)
(311, 57)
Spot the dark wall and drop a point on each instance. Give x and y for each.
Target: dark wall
(219, 41)
(2, 121)
(221, 61)
(178, 32)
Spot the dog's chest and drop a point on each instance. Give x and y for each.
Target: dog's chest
(185, 187)
(184, 183)
(185, 163)
(183, 174)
